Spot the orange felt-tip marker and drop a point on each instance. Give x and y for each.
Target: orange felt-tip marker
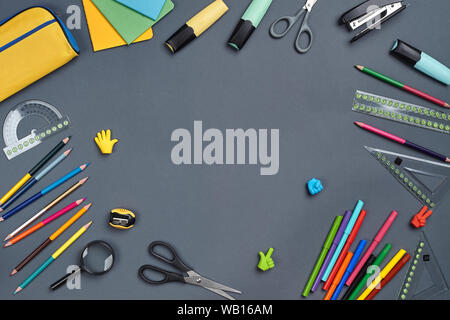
(339, 275)
(345, 249)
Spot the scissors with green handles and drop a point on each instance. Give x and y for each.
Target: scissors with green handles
(304, 28)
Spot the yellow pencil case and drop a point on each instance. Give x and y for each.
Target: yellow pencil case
(33, 43)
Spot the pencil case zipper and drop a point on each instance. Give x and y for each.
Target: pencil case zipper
(56, 19)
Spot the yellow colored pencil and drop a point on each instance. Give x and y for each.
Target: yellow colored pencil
(53, 257)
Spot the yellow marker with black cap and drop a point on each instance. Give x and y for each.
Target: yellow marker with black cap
(197, 25)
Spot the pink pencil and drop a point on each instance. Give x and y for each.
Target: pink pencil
(44, 222)
(380, 235)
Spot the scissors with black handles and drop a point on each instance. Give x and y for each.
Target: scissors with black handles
(291, 21)
(189, 276)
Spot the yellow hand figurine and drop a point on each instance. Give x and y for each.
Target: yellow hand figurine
(104, 142)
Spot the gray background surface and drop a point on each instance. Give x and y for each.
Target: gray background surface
(219, 217)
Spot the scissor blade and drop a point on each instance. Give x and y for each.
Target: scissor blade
(196, 279)
(309, 4)
(221, 293)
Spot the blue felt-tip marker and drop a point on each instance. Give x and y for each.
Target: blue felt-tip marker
(350, 267)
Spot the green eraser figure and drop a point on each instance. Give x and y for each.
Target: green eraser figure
(265, 261)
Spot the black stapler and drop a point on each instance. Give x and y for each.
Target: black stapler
(371, 14)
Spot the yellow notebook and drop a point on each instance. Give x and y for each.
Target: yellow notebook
(103, 34)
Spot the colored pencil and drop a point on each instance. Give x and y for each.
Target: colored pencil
(330, 253)
(345, 249)
(348, 230)
(339, 275)
(43, 223)
(389, 276)
(34, 180)
(47, 208)
(390, 265)
(350, 268)
(34, 170)
(380, 235)
(369, 272)
(402, 86)
(402, 141)
(43, 192)
(53, 257)
(50, 239)
(325, 248)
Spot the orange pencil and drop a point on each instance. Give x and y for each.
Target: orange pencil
(44, 222)
(55, 235)
(339, 275)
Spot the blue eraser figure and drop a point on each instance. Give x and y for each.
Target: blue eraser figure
(314, 186)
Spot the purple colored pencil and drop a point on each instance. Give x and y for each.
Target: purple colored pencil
(330, 253)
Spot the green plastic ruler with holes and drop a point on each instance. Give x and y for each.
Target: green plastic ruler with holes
(426, 180)
(403, 112)
(424, 278)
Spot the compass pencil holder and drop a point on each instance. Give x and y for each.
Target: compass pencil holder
(33, 43)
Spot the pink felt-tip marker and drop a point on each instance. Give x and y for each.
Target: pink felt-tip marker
(380, 235)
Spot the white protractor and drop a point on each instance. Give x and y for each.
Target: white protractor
(55, 122)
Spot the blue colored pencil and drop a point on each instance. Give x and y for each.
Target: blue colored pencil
(350, 267)
(43, 192)
(34, 180)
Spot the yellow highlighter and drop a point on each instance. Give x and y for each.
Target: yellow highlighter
(391, 264)
(197, 25)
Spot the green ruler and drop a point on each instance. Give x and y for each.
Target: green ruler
(426, 180)
(424, 278)
(407, 113)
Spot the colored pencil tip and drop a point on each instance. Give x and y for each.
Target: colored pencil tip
(88, 206)
(359, 124)
(446, 105)
(80, 201)
(7, 238)
(7, 244)
(88, 225)
(84, 166)
(447, 160)
(18, 290)
(13, 273)
(65, 140)
(66, 153)
(359, 67)
(83, 180)
(1, 209)
(1, 219)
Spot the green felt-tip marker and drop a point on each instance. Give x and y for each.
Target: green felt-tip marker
(326, 247)
(248, 23)
(377, 263)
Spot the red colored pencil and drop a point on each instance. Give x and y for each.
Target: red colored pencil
(389, 276)
(44, 222)
(345, 249)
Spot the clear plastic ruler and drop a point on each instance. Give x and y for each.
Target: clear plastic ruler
(55, 123)
(426, 180)
(424, 278)
(400, 111)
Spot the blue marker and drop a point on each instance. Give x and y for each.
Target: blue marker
(34, 180)
(421, 61)
(350, 268)
(341, 244)
(43, 192)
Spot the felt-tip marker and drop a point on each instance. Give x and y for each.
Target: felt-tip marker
(197, 25)
(248, 23)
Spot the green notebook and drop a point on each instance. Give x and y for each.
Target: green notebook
(129, 23)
